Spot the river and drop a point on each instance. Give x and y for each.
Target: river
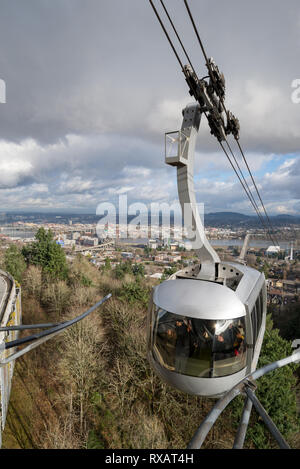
(255, 243)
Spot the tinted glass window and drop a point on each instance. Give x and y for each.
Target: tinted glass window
(254, 323)
(261, 306)
(198, 347)
(256, 315)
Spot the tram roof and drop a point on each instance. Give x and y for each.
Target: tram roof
(248, 281)
(198, 299)
(204, 299)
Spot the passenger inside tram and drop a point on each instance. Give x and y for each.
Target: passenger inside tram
(196, 347)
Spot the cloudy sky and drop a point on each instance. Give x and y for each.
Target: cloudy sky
(92, 86)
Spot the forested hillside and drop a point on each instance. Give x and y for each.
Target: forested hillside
(92, 387)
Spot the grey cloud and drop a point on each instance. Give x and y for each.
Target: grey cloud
(99, 66)
(94, 85)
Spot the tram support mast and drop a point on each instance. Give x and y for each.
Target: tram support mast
(184, 162)
(210, 266)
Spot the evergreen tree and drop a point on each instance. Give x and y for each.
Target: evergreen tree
(276, 392)
(138, 270)
(46, 253)
(122, 269)
(14, 262)
(170, 271)
(107, 265)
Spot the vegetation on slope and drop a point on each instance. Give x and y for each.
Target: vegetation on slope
(92, 386)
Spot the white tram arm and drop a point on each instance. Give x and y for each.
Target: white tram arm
(243, 253)
(184, 161)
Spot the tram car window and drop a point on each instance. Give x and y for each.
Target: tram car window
(197, 347)
(257, 316)
(254, 323)
(260, 309)
(201, 337)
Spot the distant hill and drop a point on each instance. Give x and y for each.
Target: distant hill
(222, 219)
(219, 219)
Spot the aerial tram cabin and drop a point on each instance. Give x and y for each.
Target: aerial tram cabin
(206, 324)
(205, 336)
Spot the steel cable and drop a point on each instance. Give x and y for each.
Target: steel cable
(225, 110)
(52, 330)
